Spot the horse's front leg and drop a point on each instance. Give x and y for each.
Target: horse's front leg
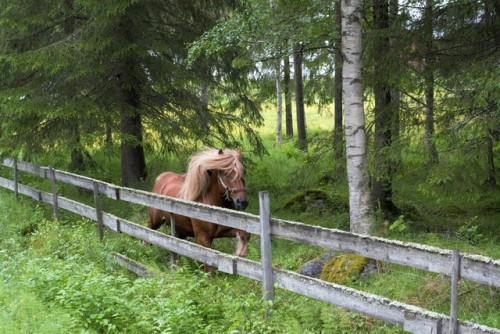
(242, 238)
(204, 234)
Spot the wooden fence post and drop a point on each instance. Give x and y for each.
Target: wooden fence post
(16, 180)
(98, 211)
(52, 177)
(265, 245)
(455, 277)
(173, 256)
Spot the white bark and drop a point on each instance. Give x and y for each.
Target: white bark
(279, 100)
(361, 212)
(279, 103)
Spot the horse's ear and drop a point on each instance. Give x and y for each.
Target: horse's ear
(221, 151)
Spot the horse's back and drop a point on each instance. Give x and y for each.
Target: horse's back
(169, 184)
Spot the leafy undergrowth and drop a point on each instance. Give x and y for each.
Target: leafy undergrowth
(57, 277)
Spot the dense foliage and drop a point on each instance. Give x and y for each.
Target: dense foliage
(124, 90)
(65, 279)
(168, 76)
(76, 73)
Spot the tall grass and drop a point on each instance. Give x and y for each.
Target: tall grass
(66, 282)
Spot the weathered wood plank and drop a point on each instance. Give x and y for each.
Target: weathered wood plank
(98, 212)
(53, 186)
(415, 323)
(26, 167)
(412, 318)
(7, 184)
(132, 265)
(32, 193)
(455, 277)
(15, 176)
(265, 246)
(78, 208)
(225, 262)
(217, 215)
(173, 256)
(107, 189)
(476, 268)
(64, 203)
(7, 162)
(481, 269)
(354, 300)
(415, 319)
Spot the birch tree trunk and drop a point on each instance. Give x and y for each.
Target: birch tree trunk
(288, 99)
(279, 103)
(338, 117)
(360, 206)
(279, 99)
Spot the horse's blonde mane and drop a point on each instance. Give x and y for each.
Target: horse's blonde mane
(197, 177)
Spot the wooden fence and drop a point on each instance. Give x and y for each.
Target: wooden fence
(413, 319)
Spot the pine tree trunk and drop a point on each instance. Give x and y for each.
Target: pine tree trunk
(77, 157)
(429, 118)
(492, 179)
(108, 135)
(395, 94)
(288, 99)
(299, 98)
(204, 112)
(360, 204)
(77, 154)
(133, 163)
(338, 117)
(382, 183)
(429, 84)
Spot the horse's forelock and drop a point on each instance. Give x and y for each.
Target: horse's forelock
(197, 177)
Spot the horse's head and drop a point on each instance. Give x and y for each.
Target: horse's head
(214, 173)
(235, 192)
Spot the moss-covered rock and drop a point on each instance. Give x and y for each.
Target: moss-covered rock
(343, 269)
(314, 268)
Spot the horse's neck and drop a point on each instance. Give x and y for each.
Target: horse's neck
(215, 192)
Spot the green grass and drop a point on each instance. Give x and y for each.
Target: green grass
(65, 280)
(22, 311)
(57, 277)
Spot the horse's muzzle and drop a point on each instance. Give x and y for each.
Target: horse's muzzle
(240, 204)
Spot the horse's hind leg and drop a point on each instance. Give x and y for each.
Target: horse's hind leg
(156, 218)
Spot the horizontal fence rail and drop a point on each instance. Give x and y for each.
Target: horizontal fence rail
(414, 319)
(473, 267)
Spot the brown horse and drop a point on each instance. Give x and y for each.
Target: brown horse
(214, 177)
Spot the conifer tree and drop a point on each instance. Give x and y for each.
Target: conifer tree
(76, 70)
